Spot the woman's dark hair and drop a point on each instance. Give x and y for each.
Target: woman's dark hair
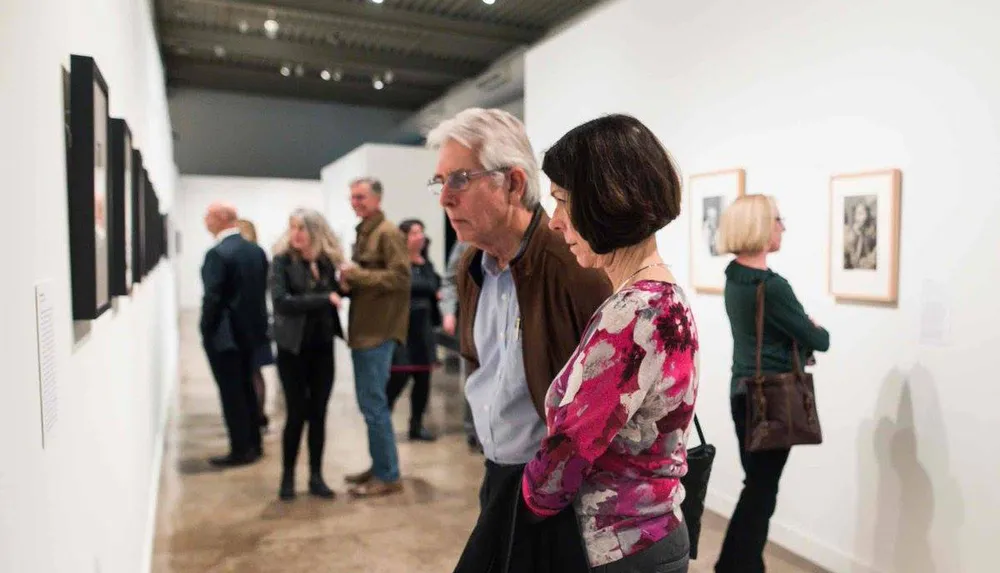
(408, 224)
(622, 185)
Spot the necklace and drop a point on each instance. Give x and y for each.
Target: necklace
(632, 276)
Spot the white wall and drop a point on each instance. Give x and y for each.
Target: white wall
(404, 172)
(265, 202)
(86, 502)
(794, 92)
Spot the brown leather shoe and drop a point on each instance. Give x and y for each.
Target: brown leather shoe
(376, 488)
(358, 479)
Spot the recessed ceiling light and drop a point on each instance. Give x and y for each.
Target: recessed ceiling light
(338, 75)
(489, 2)
(378, 84)
(325, 74)
(244, 26)
(220, 51)
(271, 28)
(299, 70)
(286, 71)
(389, 76)
(376, 1)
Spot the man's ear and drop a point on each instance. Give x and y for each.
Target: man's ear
(518, 184)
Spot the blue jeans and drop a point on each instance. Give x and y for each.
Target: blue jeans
(371, 374)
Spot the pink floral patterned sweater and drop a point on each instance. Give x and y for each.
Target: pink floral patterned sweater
(617, 417)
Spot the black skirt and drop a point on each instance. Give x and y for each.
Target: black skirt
(419, 349)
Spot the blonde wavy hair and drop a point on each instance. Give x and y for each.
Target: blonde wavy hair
(324, 241)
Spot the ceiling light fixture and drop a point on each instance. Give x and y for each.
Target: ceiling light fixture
(286, 71)
(220, 52)
(325, 74)
(378, 84)
(489, 2)
(338, 75)
(389, 76)
(376, 1)
(244, 26)
(299, 70)
(271, 26)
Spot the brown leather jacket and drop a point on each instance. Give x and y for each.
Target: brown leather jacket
(556, 299)
(380, 288)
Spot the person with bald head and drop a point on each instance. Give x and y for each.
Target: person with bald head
(233, 325)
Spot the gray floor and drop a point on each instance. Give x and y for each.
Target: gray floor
(216, 521)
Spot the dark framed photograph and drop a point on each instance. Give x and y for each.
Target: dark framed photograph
(89, 183)
(164, 236)
(151, 233)
(135, 219)
(120, 208)
(144, 223)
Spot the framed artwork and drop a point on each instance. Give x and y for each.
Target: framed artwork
(120, 208)
(144, 223)
(864, 236)
(709, 195)
(134, 217)
(88, 189)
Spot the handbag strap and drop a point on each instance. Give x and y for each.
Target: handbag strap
(761, 286)
(760, 323)
(697, 426)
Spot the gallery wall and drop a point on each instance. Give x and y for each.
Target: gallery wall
(265, 202)
(795, 92)
(404, 171)
(234, 134)
(85, 502)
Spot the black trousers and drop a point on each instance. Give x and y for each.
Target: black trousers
(506, 539)
(233, 372)
(418, 397)
(307, 379)
(743, 547)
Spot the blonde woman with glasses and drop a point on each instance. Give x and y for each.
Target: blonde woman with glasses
(752, 228)
(305, 294)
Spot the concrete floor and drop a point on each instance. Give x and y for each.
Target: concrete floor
(220, 521)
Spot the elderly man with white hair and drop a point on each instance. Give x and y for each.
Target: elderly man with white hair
(525, 303)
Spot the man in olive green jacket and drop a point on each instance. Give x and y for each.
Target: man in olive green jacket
(378, 281)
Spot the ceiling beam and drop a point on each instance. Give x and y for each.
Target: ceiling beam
(189, 73)
(437, 70)
(351, 13)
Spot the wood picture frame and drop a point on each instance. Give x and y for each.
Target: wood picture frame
(88, 189)
(120, 208)
(709, 194)
(863, 250)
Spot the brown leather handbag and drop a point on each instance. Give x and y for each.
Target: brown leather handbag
(781, 408)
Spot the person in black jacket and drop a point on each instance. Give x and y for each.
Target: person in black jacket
(304, 292)
(417, 357)
(233, 325)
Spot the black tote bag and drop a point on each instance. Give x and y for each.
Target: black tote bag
(699, 459)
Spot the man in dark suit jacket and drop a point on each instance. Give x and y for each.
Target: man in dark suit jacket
(233, 325)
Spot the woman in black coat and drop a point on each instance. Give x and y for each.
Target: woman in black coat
(304, 291)
(416, 359)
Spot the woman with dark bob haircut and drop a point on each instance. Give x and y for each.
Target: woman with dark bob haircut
(618, 412)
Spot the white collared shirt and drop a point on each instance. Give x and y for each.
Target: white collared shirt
(225, 233)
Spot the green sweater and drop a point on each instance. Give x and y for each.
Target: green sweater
(784, 321)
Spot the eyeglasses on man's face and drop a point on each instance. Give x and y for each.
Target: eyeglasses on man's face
(458, 180)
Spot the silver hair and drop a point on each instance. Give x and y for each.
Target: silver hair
(324, 240)
(499, 140)
(375, 184)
